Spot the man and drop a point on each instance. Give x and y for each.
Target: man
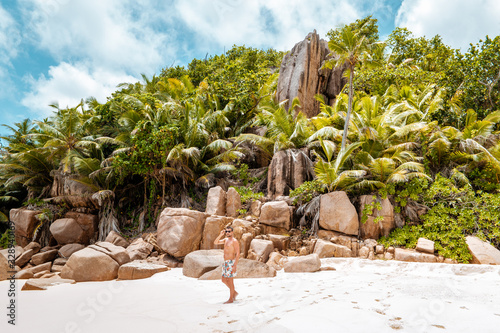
(231, 257)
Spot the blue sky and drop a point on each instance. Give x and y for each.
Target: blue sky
(65, 50)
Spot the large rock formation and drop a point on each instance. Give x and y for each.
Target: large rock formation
(287, 171)
(140, 269)
(337, 213)
(90, 265)
(67, 231)
(246, 269)
(303, 264)
(482, 252)
(301, 75)
(180, 231)
(199, 262)
(213, 226)
(370, 228)
(25, 222)
(216, 201)
(276, 214)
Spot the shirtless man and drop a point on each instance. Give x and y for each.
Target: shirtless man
(231, 257)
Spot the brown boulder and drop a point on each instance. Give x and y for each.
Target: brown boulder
(43, 284)
(276, 261)
(255, 207)
(261, 250)
(139, 249)
(280, 242)
(337, 213)
(90, 265)
(25, 222)
(370, 228)
(88, 222)
(30, 272)
(118, 253)
(33, 246)
(233, 202)
(199, 262)
(216, 201)
(425, 245)
(24, 258)
(5, 268)
(246, 240)
(213, 226)
(303, 264)
(140, 269)
(180, 231)
(413, 256)
(287, 171)
(482, 252)
(276, 214)
(115, 238)
(246, 269)
(43, 257)
(67, 231)
(67, 250)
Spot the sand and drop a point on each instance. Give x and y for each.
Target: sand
(359, 296)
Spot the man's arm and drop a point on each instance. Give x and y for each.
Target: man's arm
(218, 240)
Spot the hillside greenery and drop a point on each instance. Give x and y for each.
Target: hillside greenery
(422, 128)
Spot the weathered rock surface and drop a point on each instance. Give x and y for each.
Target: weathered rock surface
(24, 258)
(216, 201)
(213, 226)
(115, 238)
(337, 213)
(287, 171)
(4, 268)
(276, 261)
(180, 231)
(139, 249)
(33, 246)
(246, 269)
(199, 262)
(255, 207)
(44, 257)
(280, 242)
(43, 284)
(260, 250)
(425, 245)
(140, 269)
(67, 231)
(25, 222)
(118, 253)
(275, 214)
(28, 273)
(88, 222)
(325, 249)
(246, 240)
(233, 202)
(482, 252)
(67, 250)
(301, 75)
(90, 265)
(413, 256)
(303, 264)
(372, 229)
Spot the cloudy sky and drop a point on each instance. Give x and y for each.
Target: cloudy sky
(65, 50)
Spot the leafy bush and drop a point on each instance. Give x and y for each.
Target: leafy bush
(247, 194)
(307, 191)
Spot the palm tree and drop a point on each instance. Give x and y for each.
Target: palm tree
(351, 49)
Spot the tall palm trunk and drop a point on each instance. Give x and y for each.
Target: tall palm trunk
(349, 107)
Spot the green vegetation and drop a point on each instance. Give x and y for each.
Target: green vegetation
(418, 123)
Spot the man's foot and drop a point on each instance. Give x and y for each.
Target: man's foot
(235, 294)
(228, 301)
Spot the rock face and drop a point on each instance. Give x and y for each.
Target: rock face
(90, 265)
(287, 171)
(301, 75)
(117, 239)
(4, 268)
(325, 249)
(67, 231)
(180, 231)
(24, 258)
(140, 269)
(233, 202)
(67, 250)
(25, 222)
(246, 269)
(482, 252)
(303, 264)
(216, 201)
(372, 229)
(260, 250)
(44, 257)
(276, 214)
(280, 242)
(199, 262)
(139, 249)
(118, 253)
(337, 213)
(88, 222)
(213, 226)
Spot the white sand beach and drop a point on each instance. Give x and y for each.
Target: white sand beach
(359, 296)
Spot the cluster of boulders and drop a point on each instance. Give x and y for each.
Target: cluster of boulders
(185, 238)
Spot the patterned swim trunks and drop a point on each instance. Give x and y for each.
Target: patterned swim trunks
(227, 269)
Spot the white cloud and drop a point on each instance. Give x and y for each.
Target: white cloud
(9, 43)
(458, 22)
(67, 84)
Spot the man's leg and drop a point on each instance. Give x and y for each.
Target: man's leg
(230, 284)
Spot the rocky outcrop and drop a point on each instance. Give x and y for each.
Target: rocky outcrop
(326, 249)
(117, 239)
(276, 214)
(25, 222)
(213, 226)
(287, 171)
(118, 253)
(413, 256)
(139, 249)
(67, 231)
(67, 250)
(246, 269)
(216, 201)
(43, 257)
(482, 252)
(180, 231)
(303, 264)
(199, 262)
(88, 222)
(301, 75)
(90, 265)
(233, 202)
(140, 269)
(370, 228)
(260, 250)
(337, 213)
(280, 242)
